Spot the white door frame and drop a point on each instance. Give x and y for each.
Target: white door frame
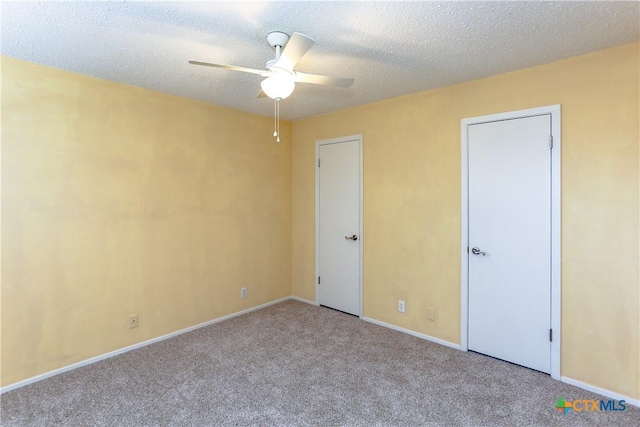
(554, 111)
(360, 234)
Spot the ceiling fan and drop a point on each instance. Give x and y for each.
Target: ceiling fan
(281, 78)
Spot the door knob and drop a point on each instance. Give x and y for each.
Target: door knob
(354, 237)
(477, 251)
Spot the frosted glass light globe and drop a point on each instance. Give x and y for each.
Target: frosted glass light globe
(278, 86)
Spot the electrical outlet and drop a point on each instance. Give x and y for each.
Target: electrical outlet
(431, 313)
(401, 306)
(243, 292)
(133, 321)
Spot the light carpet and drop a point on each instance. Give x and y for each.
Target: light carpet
(293, 364)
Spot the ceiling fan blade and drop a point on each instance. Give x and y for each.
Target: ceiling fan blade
(230, 67)
(261, 94)
(323, 80)
(295, 49)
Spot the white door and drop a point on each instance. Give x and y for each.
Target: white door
(510, 240)
(339, 225)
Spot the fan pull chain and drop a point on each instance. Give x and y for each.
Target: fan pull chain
(278, 121)
(275, 118)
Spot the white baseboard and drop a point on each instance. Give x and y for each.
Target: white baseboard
(414, 333)
(608, 393)
(306, 301)
(604, 392)
(133, 347)
(585, 386)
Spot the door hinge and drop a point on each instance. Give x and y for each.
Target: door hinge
(467, 249)
(318, 162)
(318, 280)
(550, 335)
(550, 141)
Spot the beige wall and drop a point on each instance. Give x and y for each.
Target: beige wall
(412, 205)
(118, 200)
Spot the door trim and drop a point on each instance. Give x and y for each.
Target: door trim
(556, 308)
(339, 140)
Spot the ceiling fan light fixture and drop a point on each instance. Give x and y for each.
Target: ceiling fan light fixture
(278, 86)
(280, 73)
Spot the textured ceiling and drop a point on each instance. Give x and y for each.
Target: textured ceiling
(390, 48)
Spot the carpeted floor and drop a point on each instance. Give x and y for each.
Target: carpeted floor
(295, 364)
